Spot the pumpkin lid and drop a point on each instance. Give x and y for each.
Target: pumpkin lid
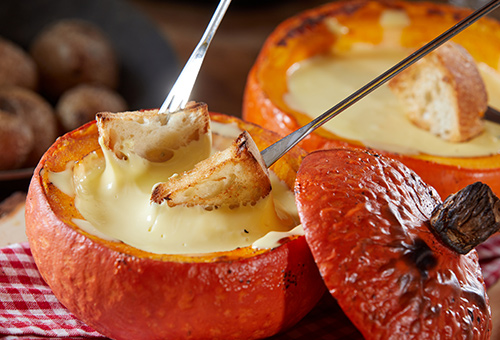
(366, 220)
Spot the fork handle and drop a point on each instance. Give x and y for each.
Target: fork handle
(181, 91)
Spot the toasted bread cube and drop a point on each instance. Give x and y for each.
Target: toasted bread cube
(444, 93)
(231, 177)
(151, 135)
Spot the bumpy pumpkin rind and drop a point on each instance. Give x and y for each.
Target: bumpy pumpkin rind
(126, 293)
(365, 218)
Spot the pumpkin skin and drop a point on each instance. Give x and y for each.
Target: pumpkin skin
(307, 35)
(365, 218)
(127, 293)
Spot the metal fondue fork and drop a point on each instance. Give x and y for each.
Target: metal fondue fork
(180, 92)
(272, 153)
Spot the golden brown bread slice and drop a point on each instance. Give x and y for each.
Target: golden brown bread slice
(231, 177)
(444, 93)
(151, 135)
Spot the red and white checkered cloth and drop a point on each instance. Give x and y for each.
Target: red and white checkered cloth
(29, 310)
(489, 258)
(27, 305)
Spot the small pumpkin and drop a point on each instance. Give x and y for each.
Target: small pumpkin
(127, 293)
(309, 34)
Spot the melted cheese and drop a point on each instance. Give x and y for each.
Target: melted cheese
(378, 120)
(273, 238)
(393, 21)
(113, 196)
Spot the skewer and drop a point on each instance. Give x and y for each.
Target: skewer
(181, 91)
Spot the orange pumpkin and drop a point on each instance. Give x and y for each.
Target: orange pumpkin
(127, 293)
(308, 34)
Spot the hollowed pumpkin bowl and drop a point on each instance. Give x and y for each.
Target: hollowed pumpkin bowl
(127, 293)
(308, 34)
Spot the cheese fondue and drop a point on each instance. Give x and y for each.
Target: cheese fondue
(378, 120)
(113, 196)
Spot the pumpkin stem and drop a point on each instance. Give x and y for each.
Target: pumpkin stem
(467, 218)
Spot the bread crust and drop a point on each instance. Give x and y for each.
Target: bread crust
(16, 141)
(444, 93)
(232, 177)
(151, 135)
(36, 113)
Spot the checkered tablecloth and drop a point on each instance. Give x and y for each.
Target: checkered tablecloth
(27, 305)
(29, 310)
(489, 257)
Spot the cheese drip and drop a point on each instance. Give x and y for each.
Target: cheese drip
(113, 195)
